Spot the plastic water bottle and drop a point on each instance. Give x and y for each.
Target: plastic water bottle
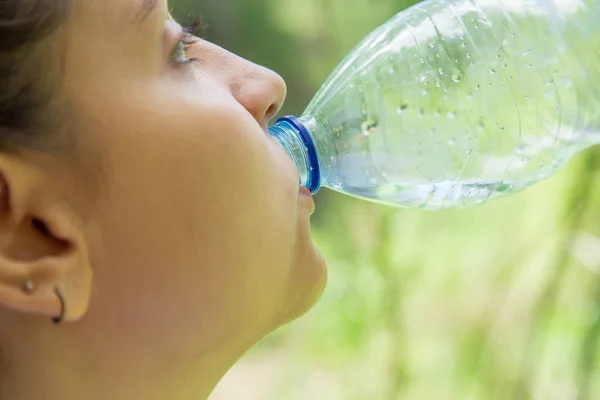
(453, 103)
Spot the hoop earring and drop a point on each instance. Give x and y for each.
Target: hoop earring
(63, 308)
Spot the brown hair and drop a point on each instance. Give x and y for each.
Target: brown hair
(29, 71)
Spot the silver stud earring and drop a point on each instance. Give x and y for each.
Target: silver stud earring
(28, 286)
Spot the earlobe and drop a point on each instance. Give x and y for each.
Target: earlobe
(45, 268)
(29, 288)
(57, 285)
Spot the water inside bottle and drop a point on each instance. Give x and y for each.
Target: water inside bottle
(466, 114)
(435, 195)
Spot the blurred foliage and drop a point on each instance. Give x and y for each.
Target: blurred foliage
(499, 301)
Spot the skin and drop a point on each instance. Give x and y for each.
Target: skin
(175, 231)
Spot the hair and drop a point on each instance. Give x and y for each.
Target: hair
(29, 72)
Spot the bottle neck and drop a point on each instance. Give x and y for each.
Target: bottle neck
(293, 136)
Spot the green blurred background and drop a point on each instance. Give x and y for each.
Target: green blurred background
(499, 301)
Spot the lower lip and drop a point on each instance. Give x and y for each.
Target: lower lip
(305, 194)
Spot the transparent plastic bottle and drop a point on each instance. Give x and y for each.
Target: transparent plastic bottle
(454, 102)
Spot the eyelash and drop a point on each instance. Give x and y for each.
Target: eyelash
(192, 31)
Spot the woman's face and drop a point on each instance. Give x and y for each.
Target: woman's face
(198, 236)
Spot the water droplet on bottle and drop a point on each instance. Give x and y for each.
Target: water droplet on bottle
(501, 127)
(512, 77)
(468, 55)
(425, 93)
(402, 108)
(513, 34)
(476, 25)
(503, 87)
(524, 161)
(463, 45)
(504, 66)
(469, 151)
(451, 115)
(420, 114)
(451, 142)
(477, 86)
(470, 96)
(492, 71)
(391, 71)
(437, 114)
(550, 82)
(529, 66)
(456, 77)
(518, 151)
(526, 52)
(437, 55)
(441, 71)
(431, 44)
(422, 60)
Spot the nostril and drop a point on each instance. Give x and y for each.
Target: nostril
(271, 111)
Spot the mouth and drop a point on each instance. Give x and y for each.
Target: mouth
(305, 195)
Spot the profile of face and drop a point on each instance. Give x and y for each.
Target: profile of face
(172, 227)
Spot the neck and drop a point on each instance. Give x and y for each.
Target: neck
(61, 375)
(98, 383)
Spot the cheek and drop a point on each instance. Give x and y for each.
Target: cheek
(200, 214)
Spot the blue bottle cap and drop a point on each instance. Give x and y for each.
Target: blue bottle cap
(314, 175)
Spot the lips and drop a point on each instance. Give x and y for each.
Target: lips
(307, 198)
(304, 190)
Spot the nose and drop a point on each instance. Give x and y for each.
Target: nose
(260, 90)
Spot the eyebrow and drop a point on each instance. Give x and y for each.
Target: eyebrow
(147, 7)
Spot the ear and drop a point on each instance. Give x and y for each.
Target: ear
(42, 245)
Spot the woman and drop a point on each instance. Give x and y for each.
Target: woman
(144, 208)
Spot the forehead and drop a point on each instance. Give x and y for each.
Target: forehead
(107, 37)
(118, 11)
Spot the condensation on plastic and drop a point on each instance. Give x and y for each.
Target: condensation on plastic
(453, 103)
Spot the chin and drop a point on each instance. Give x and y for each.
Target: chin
(307, 288)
